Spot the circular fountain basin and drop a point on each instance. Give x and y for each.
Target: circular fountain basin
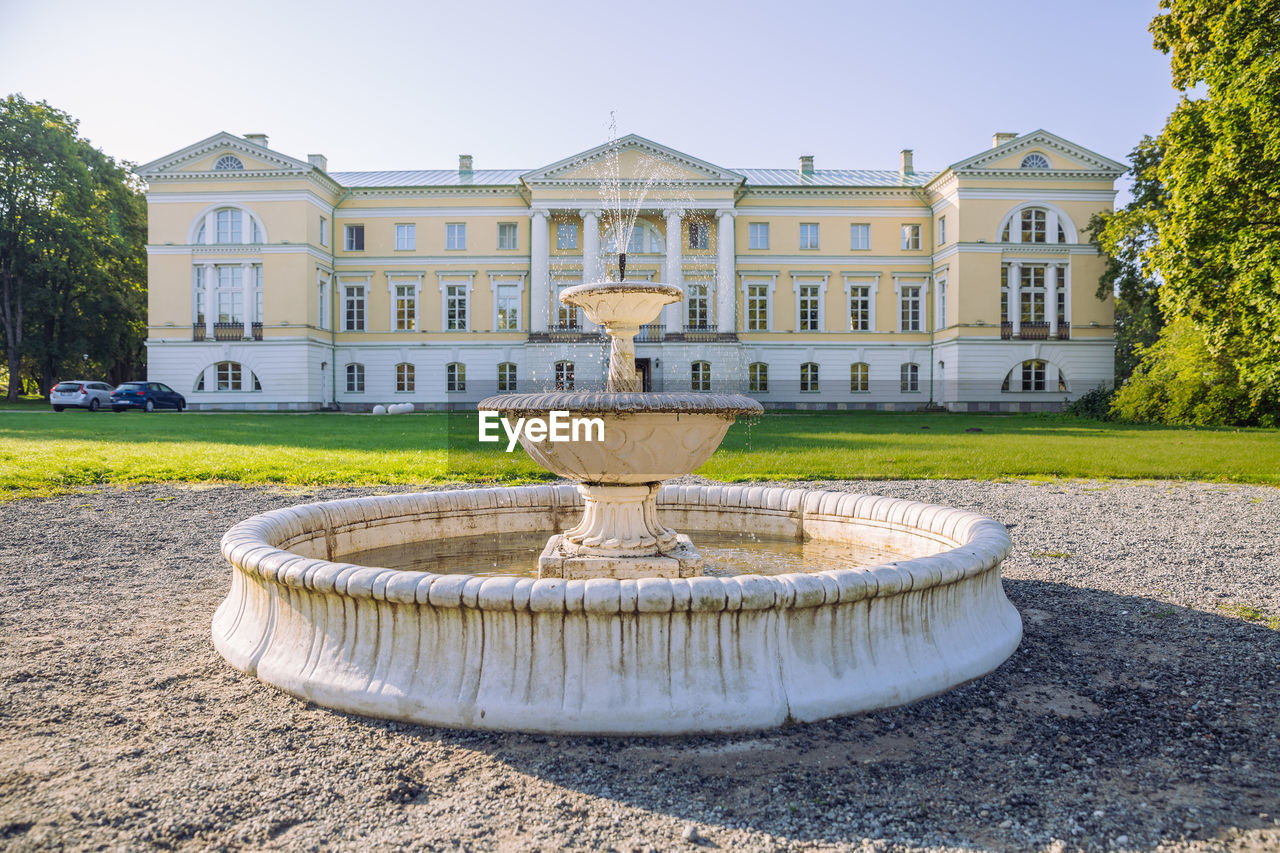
(606, 656)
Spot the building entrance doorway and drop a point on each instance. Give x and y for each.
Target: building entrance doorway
(644, 366)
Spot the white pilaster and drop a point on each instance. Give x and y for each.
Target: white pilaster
(540, 273)
(1051, 226)
(1015, 298)
(210, 228)
(591, 270)
(1051, 295)
(726, 303)
(247, 280)
(210, 297)
(1015, 227)
(674, 273)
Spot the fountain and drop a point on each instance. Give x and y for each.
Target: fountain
(621, 632)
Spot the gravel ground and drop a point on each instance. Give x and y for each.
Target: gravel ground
(1140, 711)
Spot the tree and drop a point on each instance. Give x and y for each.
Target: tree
(1218, 253)
(1126, 238)
(72, 250)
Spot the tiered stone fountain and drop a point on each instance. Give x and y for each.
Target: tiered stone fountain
(620, 633)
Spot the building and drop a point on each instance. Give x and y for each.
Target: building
(276, 284)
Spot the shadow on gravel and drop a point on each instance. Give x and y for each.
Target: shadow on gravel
(1120, 721)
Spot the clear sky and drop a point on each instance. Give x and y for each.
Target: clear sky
(386, 85)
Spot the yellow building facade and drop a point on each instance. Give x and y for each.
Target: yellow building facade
(277, 284)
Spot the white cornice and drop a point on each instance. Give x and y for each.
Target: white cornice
(425, 212)
(434, 192)
(434, 261)
(905, 193)
(845, 211)
(630, 142)
(1041, 139)
(239, 197)
(837, 260)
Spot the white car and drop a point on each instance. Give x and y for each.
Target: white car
(80, 393)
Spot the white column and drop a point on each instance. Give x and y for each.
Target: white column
(1015, 298)
(210, 298)
(1015, 227)
(1050, 226)
(1051, 297)
(591, 246)
(247, 279)
(726, 259)
(675, 269)
(210, 228)
(540, 273)
(1066, 284)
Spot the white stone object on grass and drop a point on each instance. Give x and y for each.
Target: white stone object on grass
(379, 409)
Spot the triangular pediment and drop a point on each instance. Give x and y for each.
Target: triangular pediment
(202, 158)
(1060, 154)
(632, 158)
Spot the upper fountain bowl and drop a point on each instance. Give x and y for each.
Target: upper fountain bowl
(620, 305)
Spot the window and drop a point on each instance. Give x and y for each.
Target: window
(910, 305)
(1033, 225)
(566, 235)
(229, 163)
(455, 377)
(506, 377)
(229, 225)
(507, 236)
(455, 307)
(758, 378)
(643, 238)
(228, 373)
(355, 378)
(940, 321)
(808, 316)
(564, 375)
(757, 307)
(353, 238)
(910, 378)
(758, 235)
(257, 294)
(1035, 161)
(1032, 295)
(808, 376)
(699, 235)
(406, 237)
(697, 306)
(323, 307)
(808, 235)
(860, 308)
(910, 237)
(859, 237)
(406, 308)
(508, 297)
(404, 376)
(198, 296)
(230, 296)
(324, 231)
(859, 377)
(353, 308)
(942, 230)
(568, 318)
(455, 235)
(1033, 375)
(700, 376)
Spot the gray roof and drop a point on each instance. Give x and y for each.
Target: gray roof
(755, 177)
(430, 178)
(834, 178)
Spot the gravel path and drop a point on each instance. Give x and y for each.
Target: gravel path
(1141, 709)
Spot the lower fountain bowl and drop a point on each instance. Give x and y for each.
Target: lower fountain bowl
(607, 656)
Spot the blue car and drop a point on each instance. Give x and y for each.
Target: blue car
(147, 396)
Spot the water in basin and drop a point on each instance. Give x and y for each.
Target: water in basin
(516, 554)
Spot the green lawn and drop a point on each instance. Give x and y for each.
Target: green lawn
(42, 452)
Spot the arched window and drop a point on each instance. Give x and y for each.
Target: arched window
(859, 377)
(228, 376)
(643, 238)
(1031, 375)
(455, 377)
(700, 376)
(564, 375)
(355, 378)
(1033, 227)
(910, 378)
(809, 376)
(404, 376)
(229, 163)
(1035, 161)
(227, 225)
(758, 378)
(506, 377)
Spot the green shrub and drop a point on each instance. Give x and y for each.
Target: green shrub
(1094, 404)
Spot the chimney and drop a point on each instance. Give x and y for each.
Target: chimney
(464, 162)
(907, 168)
(1001, 138)
(806, 164)
(257, 138)
(320, 161)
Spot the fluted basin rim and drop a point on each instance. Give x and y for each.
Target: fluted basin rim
(569, 294)
(603, 402)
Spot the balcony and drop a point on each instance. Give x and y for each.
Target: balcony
(701, 333)
(565, 332)
(1034, 331)
(225, 332)
(651, 333)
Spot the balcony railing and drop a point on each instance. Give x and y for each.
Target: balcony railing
(1034, 331)
(651, 333)
(565, 332)
(700, 332)
(225, 331)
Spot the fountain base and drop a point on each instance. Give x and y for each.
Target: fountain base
(560, 560)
